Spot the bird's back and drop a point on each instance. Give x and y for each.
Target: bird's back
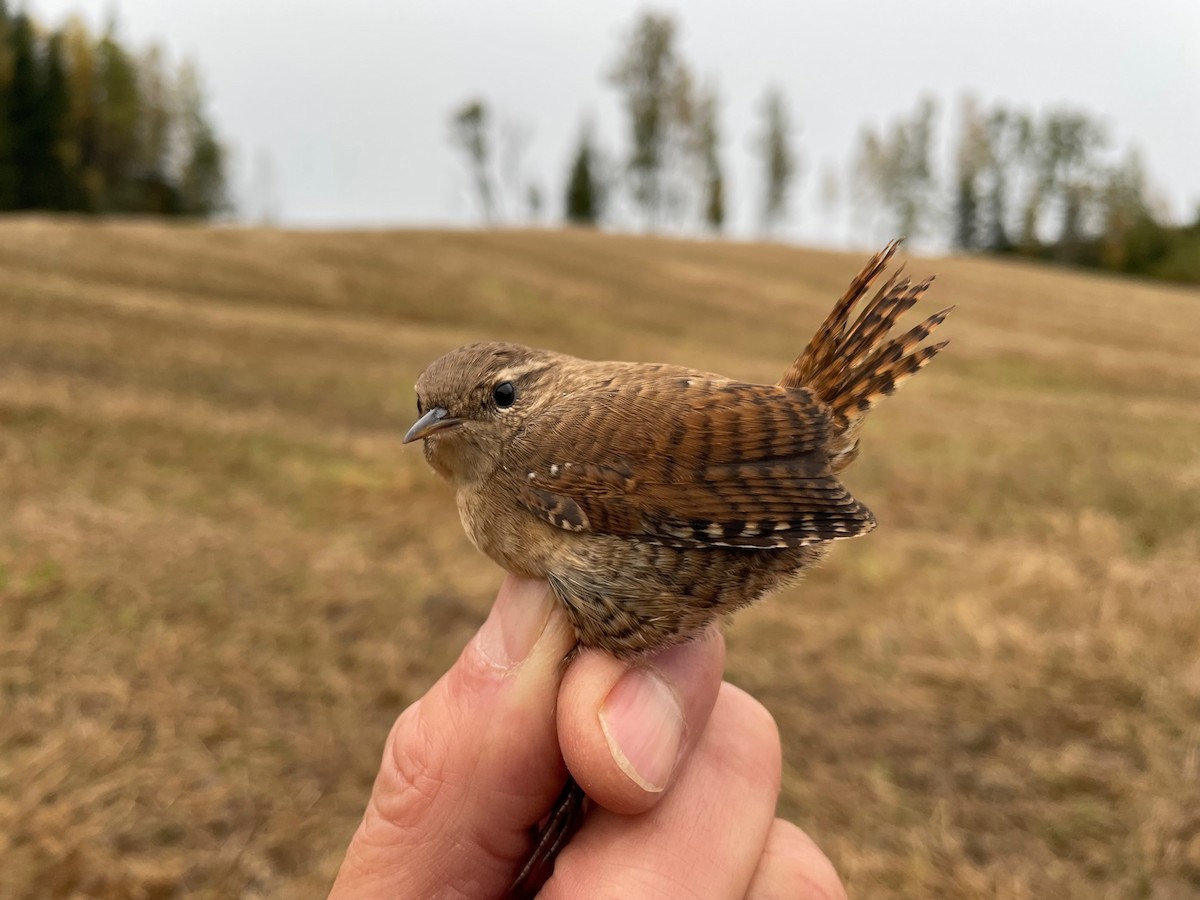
(678, 457)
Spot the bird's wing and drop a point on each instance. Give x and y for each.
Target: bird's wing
(687, 460)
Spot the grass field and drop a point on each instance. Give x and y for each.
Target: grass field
(222, 576)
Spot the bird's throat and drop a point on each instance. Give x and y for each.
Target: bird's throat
(457, 458)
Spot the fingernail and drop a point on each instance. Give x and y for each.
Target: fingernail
(643, 724)
(516, 621)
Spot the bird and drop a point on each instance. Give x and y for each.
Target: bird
(657, 498)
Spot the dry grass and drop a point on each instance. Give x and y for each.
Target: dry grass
(221, 576)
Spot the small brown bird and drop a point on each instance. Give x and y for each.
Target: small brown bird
(656, 498)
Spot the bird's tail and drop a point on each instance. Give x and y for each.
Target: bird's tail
(852, 366)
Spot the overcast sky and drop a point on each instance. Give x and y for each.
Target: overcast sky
(348, 101)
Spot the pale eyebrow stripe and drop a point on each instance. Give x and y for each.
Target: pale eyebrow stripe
(529, 368)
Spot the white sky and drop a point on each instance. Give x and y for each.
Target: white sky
(349, 100)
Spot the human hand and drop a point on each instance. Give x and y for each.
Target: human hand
(683, 769)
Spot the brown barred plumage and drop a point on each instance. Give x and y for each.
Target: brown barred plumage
(852, 367)
(655, 498)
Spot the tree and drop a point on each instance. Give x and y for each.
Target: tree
(1007, 135)
(1073, 140)
(971, 158)
(778, 159)
(1130, 239)
(895, 170)
(30, 130)
(683, 169)
(86, 125)
(470, 130)
(1045, 187)
(82, 127)
(8, 169)
(534, 202)
(156, 120)
(651, 76)
(202, 174)
(117, 126)
(57, 189)
(708, 151)
(37, 112)
(1063, 155)
(585, 193)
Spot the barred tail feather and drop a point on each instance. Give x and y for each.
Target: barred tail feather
(822, 349)
(852, 366)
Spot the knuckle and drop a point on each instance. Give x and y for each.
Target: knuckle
(413, 775)
(760, 722)
(758, 754)
(793, 867)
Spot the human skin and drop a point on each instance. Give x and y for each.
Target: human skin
(682, 768)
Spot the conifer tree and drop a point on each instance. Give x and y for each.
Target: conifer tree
(55, 189)
(583, 199)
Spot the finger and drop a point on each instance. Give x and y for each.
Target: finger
(792, 867)
(625, 727)
(704, 838)
(472, 765)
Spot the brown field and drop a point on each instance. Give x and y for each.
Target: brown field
(222, 577)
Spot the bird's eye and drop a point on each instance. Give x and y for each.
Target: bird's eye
(420, 408)
(504, 394)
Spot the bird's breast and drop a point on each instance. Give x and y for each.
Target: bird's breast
(508, 534)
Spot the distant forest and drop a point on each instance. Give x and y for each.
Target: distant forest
(1050, 186)
(87, 125)
(90, 125)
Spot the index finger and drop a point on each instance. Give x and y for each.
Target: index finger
(471, 766)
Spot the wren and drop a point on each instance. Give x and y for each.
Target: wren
(656, 498)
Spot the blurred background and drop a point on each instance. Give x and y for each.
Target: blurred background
(233, 233)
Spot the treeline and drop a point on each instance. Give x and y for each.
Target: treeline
(673, 176)
(88, 125)
(1051, 185)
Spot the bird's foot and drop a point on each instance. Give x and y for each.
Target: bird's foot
(564, 820)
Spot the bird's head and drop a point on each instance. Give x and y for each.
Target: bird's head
(473, 401)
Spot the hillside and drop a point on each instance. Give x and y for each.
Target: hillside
(222, 576)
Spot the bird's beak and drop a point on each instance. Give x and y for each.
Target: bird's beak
(434, 420)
